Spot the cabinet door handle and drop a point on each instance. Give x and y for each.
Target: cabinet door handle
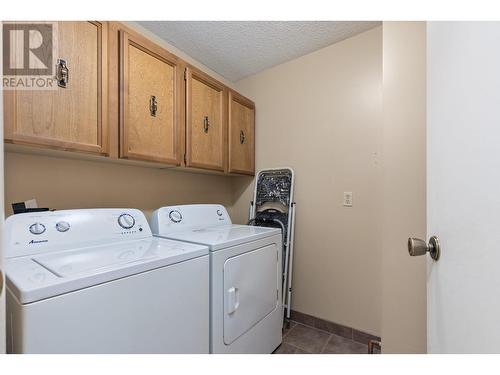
(153, 106)
(206, 124)
(242, 137)
(62, 73)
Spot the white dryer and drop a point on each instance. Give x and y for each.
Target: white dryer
(246, 312)
(97, 281)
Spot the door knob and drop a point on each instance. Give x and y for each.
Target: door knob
(417, 247)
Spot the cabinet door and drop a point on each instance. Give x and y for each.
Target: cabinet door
(149, 102)
(241, 135)
(205, 122)
(71, 118)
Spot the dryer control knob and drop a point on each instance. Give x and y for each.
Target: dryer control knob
(62, 226)
(175, 216)
(126, 221)
(37, 228)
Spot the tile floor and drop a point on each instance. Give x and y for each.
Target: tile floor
(302, 339)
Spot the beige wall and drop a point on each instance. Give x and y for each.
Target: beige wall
(67, 183)
(404, 186)
(321, 115)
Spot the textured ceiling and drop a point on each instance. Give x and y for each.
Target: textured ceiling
(237, 49)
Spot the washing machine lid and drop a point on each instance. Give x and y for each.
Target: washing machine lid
(36, 277)
(221, 237)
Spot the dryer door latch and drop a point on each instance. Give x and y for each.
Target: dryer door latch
(233, 300)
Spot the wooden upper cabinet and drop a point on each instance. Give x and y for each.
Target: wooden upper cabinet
(206, 124)
(150, 101)
(241, 135)
(71, 118)
(147, 113)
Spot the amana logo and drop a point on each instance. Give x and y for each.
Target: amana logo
(35, 241)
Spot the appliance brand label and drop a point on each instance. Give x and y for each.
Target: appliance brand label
(37, 241)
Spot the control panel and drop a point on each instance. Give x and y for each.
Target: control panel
(42, 232)
(175, 218)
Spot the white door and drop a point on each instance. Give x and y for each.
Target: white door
(463, 186)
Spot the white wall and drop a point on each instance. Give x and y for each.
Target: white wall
(321, 115)
(463, 161)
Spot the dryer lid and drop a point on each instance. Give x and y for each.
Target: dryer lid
(220, 237)
(32, 278)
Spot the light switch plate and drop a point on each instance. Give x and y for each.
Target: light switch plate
(347, 198)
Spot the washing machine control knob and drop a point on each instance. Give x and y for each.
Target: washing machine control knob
(175, 216)
(62, 226)
(126, 221)
(37, 228)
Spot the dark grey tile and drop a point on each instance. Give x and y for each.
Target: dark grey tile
(334, 328)
(341, 345)
(289, 349)
(299, 317)
(324, 325)
(307, 338)
(363, 337)
(287, 328)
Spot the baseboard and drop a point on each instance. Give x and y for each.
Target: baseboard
(332, 327)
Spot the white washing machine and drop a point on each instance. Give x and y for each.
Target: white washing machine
(246, 312)
(97, 281)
